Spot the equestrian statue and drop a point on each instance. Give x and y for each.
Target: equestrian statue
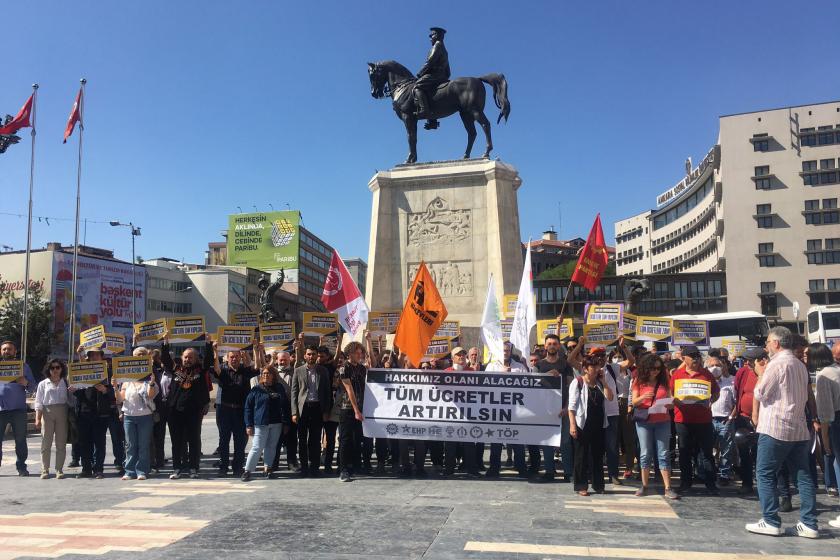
(431, 95)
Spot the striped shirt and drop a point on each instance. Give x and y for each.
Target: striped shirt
(783, 394)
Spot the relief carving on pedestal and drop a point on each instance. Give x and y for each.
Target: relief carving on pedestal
(452, 278)
(439, 224)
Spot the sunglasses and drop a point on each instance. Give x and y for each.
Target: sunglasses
(55, 367)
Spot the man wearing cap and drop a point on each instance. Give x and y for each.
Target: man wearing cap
(13, 407)
(693, 418)
(433, 73)
(450, 448)
(745, 380)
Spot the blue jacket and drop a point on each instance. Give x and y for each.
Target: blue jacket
(266, 405)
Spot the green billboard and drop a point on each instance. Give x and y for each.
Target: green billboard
(264, 240)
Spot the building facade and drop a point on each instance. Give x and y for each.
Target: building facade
(762, 206)
(357, 268)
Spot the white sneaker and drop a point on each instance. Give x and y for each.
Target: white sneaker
(804, 531)
(764, 528)
(835, 522)
(141, 477)
(125, 477)
(175, 476)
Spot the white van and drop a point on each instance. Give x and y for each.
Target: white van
(824, 324)
(750, 327)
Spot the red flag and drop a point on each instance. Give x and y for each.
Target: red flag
(75, 117)
(342, 297)
(593, 258)
(21, 120)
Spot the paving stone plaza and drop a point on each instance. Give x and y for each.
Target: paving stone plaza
(376, 517)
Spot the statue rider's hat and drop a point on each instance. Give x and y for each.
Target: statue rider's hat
(439, 30)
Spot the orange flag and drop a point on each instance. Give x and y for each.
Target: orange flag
(423, 313)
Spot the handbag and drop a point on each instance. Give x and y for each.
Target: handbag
(641, 414)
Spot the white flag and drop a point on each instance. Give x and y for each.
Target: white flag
(525, 316)
(491, 326)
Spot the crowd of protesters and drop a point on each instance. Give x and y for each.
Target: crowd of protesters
(773, 418)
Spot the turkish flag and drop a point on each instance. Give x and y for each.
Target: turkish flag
(593, 258)
(423, 313)
(21, 120)
(75, 117)
(342, 297)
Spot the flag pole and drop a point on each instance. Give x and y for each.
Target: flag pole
(25, 325)
(76, 242)
(562, 307)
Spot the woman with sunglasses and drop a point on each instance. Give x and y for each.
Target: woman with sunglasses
(653, 428)
(51, 400)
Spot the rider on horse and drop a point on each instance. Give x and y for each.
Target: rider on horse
(433, 73)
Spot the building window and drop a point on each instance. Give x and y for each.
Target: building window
(811, 179)
(807, 137)
(816, 292)
(765, 255)
(769, 306)
(827, 164)
(681, 295)
(763, 208)
(762, 170)
(768, 287)
(825, 138)
(761, 145)
(809, 166)
(762, 215)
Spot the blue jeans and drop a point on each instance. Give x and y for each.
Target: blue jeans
(567, 449)
(654, 441)
(518, 457)
(138, 435)
(772, 454)
(17, 418)
(724, 432)
(611, 445)
(832, 462)
(266, 439)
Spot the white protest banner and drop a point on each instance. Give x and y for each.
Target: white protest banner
(11, 371)
(600, 336)
(184, 330)
(93, 338)
(150, 332)
(114, 344)
(469, 406)
(684, 332)
(87, 374)
(232, 339)
(277, 336)
(130, 368)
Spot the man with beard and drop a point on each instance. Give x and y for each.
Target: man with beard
(311, 404)
(13, 407)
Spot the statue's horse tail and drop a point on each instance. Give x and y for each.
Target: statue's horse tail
(499, 84)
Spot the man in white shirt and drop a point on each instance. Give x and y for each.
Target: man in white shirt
(723, 416)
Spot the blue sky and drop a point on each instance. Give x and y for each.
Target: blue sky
(197, 107)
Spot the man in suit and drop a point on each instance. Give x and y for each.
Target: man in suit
(311, 404)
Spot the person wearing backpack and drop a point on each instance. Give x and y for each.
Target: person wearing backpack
(653, 428)
(587, 424)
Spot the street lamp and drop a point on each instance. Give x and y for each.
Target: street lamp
(135, 231)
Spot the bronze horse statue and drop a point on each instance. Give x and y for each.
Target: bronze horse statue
(464, 96)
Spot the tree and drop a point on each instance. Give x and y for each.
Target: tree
(38, 332)
(565, 271)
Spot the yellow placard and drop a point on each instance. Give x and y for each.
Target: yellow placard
(601, 335)
(628, 326)
(549, 326)
(87, 374)
(93, 338)
(509, 305)
(243, 319)
(232, 339)
(652, 329)
(183, 330)
(114, 344)
(736, 347)
(383, 323)
(692, 390)
(685, 332)
(600, 313)
(150, 332)
(277, 336)
(448, 329)
(130, 368)
(11, 371)
(322, 325)
(439, 347)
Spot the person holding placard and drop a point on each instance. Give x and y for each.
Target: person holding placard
(588, 423)
(266, 418)
(694, 389)
(51, 401)
(234, 379)
(650, 400)
(94, 410)
(13, 406)
(137, 399)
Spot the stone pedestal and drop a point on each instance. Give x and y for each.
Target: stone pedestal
(460, 217)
